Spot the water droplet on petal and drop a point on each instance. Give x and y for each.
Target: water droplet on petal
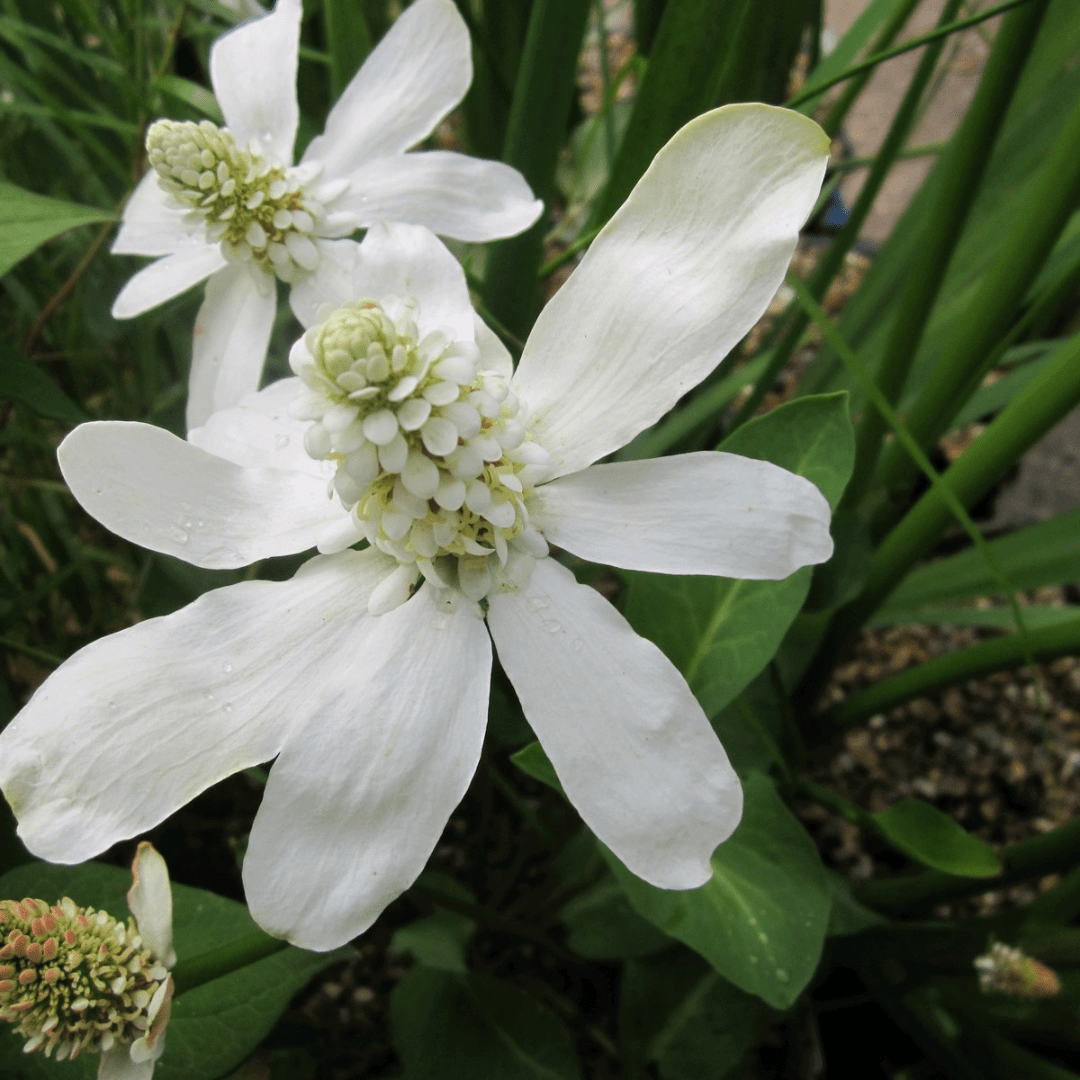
(227, 706)
(112, 706)
(281, 441)
(538, 603)
(226, 667)
(188, 523)
(578, 644)
(177, 535)
(552, 626)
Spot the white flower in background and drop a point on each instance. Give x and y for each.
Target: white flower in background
(370, 685)
(229, 205)
(76, 980)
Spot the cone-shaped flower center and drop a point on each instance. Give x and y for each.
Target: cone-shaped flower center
(256, 209)
(74, 978)
(432, 458)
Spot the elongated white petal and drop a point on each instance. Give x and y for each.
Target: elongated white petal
(452, 194)
(138, 723)
(232, 331)
(166, 278)
(152, 225)
(412, 79)
(494, 355)
(253, 72)
(408, 261)
(116, 1064)
(360, 795)
(148, 486)
(150, 901)
(672, 283)
(704, 513)
(331, 282)
(631, 745)
(260, 433)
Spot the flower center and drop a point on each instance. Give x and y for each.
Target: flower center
(258, 211)
(432, 459)
(74, 978)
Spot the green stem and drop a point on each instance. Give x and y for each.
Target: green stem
(1020, 256)
(535, 133)
(833, 258)
(1049, 853)
(878, 58)
(193, 971)
(998, 654)
(963, 165)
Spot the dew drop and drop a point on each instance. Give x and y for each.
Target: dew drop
(281, 441)
(753, 959)
(552, 626)
(178, 535)
(538, 603)
(185, 506)
(439, 623)
(188, 523)
(112, 706)
(578, 644)
(227, 706)
(209, 696)
(763, 937)
(200, 523)
(782, 975)
(226, 667)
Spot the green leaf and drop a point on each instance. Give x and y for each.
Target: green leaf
(23, 381)
(463, 1027)
(677, 1011)
(1043, 554)
(761, 920)
(603, 925)
(28, 220)
(215, 1025)
(921, 830)
(436, 941)
(847, 916)
(531, 759)
(720, 632)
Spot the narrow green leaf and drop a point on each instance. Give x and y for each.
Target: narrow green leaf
(191, 94)
(531, 759)
(721, 632)
(931, 837)
(23, 381)
(1035, 618)
(462, 1027)
(27, 221)
(761, 919)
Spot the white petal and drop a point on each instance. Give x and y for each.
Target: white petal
(413, 78)
(116, 1064)
(150, 901)
(360, 795)
(628, 740)
(259, 432)
(232, 332)
(680, 273)
(331, 282)
(408, 261)
(138, 723)
(451, 194)
(151, 225)
(166, 278)
(253, 72)
(494, 355)
(704, 513)
(148, 486)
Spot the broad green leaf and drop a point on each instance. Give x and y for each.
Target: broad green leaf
(1043, 554)
(721, 632)
(28, 220)
(761, 920)
(436, 941)
(25, 382)
(603, 926)
(191, 94)
(677, 1011)
(464, 1027)
(931, 837)
(215, 1025)
(531, 759)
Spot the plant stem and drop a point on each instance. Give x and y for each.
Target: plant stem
(193, 971)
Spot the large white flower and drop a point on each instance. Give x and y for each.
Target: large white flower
(366, 675)
(228, 204)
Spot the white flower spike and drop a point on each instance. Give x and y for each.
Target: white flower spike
(229, 205)
(76, 980)
(367, 673)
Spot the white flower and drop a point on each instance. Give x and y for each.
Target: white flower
(373, 700)
(73, 979)
(229, 205)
